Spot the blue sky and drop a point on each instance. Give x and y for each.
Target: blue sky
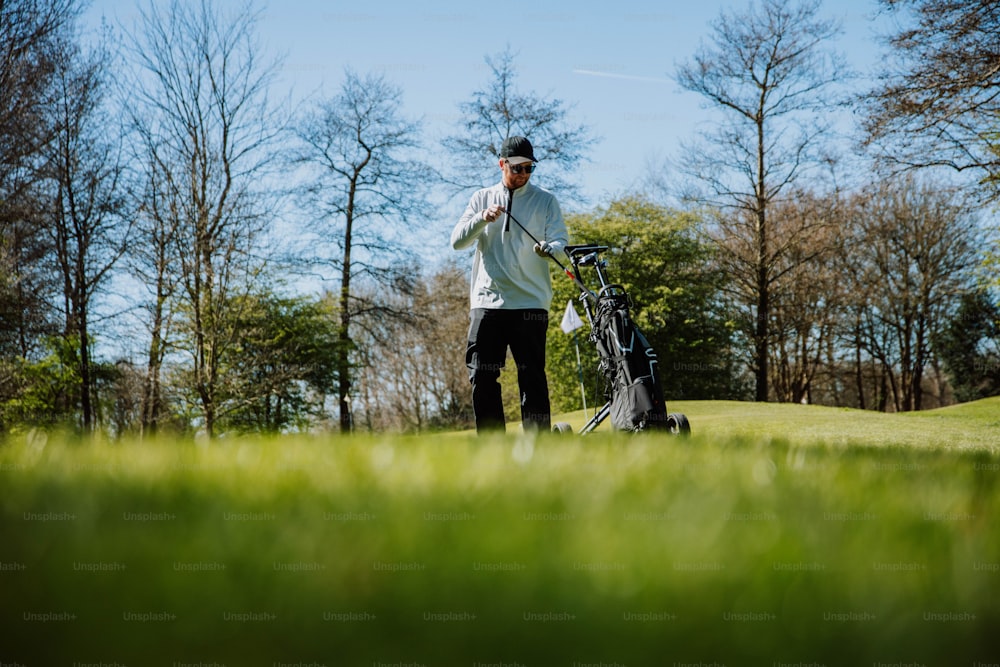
(613, 62)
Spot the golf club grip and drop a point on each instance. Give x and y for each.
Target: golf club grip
(506, 213)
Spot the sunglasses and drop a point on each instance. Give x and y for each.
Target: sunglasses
(525, 168)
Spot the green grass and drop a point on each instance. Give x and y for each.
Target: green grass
(970, 425)
(776, 534)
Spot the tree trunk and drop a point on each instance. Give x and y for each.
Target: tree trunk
(883, 390)
(763, 313)
(859, 371)
(86, 407)
(344, 335)
(763, 286)
(205, 328)
(151, 390)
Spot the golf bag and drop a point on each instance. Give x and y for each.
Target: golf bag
(629, 366)
(627, 362)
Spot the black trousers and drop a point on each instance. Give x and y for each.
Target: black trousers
(491, 332)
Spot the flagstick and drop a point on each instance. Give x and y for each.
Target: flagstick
(579, 371)
(570, 323)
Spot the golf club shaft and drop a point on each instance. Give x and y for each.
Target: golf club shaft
(570, 274)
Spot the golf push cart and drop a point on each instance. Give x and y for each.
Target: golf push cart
(628, 363)
(632, 389)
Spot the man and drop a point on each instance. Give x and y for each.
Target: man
(510, 290)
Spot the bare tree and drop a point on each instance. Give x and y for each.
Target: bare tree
(199, 108)
(31, 35)
(798, 236)
(362, 184)
(393, 392)
(88, 226)
(914, 253)
(32, 32)
(445, 294)
(937, 103)
(850, 362)
(769, 74)
(938, 100)
(808, 292)
(153, 260)
(500, 110)
(415, 379)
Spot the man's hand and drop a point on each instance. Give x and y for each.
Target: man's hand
(543, 249)
(492, 213)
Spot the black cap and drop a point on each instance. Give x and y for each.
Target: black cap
(517, 147)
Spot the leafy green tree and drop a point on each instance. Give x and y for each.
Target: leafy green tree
(278, 374)
(44, 391)
(660, 260)
(969, 346)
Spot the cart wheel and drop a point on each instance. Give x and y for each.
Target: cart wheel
(678, 424)
(562, 427)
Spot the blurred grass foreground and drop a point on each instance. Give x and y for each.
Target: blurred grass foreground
(798, 544)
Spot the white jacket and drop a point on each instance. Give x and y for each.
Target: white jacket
(506, 272)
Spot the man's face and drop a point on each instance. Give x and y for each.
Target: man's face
(514, 180)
